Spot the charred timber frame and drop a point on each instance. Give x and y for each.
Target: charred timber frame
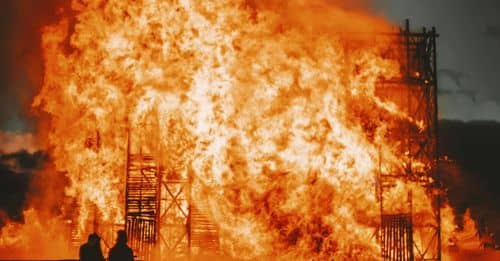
(141, 204)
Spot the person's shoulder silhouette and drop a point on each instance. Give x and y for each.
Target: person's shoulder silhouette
(120, 251)
(91, 251)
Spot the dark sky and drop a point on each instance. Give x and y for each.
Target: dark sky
(468, 51)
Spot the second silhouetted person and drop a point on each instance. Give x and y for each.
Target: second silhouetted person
(120, 251)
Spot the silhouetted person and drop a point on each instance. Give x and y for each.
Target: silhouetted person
(91, 251)
(120, 251)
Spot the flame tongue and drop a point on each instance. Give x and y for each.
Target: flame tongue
(270, 106)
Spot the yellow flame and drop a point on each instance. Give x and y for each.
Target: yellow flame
(272, 105)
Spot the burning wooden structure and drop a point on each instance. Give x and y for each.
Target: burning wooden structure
(161, 214)
(247, 128)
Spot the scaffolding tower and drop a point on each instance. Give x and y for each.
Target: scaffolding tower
(162, 220)
(417, 90)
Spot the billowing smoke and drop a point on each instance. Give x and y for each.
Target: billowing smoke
(17, 171)
(472, 175)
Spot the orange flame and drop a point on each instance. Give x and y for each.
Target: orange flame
(272, 106)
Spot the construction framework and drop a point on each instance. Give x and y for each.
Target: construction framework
(162, 220)
(402, 235)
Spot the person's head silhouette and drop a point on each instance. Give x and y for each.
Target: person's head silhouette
(93, 239)
(120, 251)
(122, 237)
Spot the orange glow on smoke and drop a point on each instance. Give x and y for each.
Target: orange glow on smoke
(272, 106)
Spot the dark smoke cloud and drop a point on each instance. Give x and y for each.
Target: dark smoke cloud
(492, 31)
(17, 171)
(21, 63)
(29, 180)
(24, 160)
(471, 94)
(456, 76)
(473, 178)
